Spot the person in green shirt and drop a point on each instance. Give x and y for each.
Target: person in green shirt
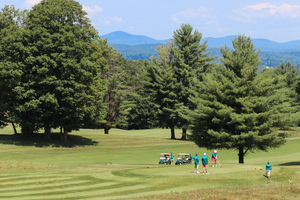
(205, 163)
(268, 169)
(196, 160)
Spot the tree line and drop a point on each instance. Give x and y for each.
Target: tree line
(56, 72)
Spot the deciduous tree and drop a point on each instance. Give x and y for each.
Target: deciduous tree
(62, 63)
(11, 27)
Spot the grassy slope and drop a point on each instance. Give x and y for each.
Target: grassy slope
(123, 164)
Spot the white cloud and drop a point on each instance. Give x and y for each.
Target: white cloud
(111, 20)
(251, 12)
(191, 14)
(94, 9)
(201, 16)
(32, 2)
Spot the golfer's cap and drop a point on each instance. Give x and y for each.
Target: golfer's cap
(215, 151)
(205, 154)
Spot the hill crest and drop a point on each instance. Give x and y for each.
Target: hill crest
(123, 38)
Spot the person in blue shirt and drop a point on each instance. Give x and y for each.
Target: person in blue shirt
(205, 163)
(196, 160)
(172, 158)
(268, 169)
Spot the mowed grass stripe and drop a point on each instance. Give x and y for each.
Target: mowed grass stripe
(18, 177)
(53, 190)
(40, 185)
(21, 181)
(96, 191)
(102, 194)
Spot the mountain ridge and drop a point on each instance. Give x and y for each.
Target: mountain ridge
(266, 45)
(143, 47)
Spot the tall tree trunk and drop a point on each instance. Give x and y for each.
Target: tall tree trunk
(106, 128)
(183, 137)
(241, 154)
(173, 132)
(14, 127)
(26, 129)
(47, 133)
(64, 135)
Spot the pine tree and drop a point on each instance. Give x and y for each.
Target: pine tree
(142, 115)
(117, 95)
(235, 104)
(190, 59)
(160, 87)
(287, 75)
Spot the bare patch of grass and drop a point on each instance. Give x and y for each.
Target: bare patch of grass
(17, 165)
(260, 192)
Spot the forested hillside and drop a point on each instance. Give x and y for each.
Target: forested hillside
(269, 59)
(137, 47)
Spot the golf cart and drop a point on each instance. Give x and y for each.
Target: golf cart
(165, 159)
(183, 158)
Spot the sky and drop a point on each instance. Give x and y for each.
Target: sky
(276, 20)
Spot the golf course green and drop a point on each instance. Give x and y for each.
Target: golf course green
(124, 165)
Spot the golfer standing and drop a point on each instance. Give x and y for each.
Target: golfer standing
(268, 169)
(172, 158)
(205, 163)
(196, 160)
(214, 158)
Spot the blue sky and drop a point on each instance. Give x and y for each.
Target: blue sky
(275, 20)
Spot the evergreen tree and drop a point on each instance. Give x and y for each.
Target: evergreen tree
(235, 104)
(287, 75)
(142, 115)
(190, 60)
(160, 87)
(117, 95)
(291, 73)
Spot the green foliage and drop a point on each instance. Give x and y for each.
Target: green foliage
(287, 114)
(117, 95)
(236, 105)
(11, 21)
(160, 86)
(190, 60)
(291, 73)
(142, 115)
(56, 59)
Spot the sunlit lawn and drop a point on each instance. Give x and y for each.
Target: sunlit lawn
(124, 165)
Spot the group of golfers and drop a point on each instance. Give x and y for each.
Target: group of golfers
(204, 161)
(214, 158)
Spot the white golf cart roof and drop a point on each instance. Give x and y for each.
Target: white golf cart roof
(165, 154)
(183, 154)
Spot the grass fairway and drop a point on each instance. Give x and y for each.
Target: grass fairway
(124, 165)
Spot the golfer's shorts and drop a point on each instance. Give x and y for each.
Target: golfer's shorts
(213, 159)
(196, 165)
(268, 171)
(205, 166)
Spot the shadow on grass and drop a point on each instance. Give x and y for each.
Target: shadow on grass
(38, 140)
(290, 164)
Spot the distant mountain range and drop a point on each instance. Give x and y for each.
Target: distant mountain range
(120, 37)
(142, 47)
